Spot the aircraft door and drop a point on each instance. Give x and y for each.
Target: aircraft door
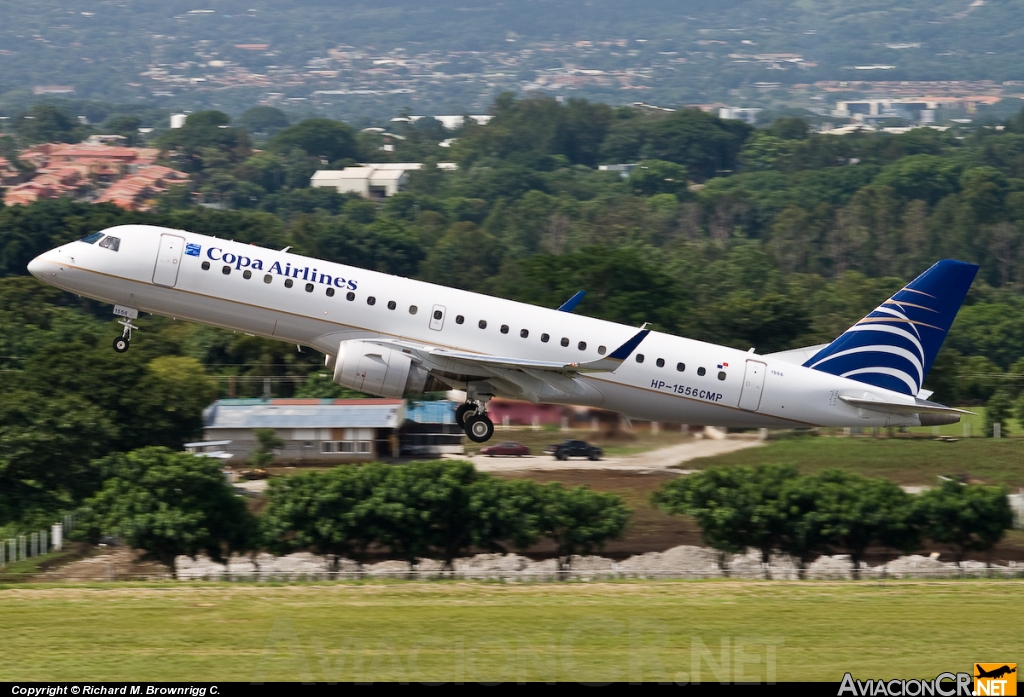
(753, 385)
(437, 317)
(168, 260)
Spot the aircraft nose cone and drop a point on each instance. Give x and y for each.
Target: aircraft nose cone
(37, 267)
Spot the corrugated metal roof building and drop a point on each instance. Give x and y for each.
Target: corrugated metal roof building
(331, 431)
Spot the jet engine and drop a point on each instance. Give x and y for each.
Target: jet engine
(381, 370)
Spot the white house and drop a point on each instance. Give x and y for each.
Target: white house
(371, 180)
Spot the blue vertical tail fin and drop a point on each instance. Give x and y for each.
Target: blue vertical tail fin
(895, 345)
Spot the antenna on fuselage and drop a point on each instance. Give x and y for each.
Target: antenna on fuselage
(286, 248)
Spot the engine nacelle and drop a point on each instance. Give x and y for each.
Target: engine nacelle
(380, 370)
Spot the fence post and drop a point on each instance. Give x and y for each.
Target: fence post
(3, 555)
(967, 429)
(33, 542)
(22, 544)
(57, 537)
(12, 545)
(997, 430)
(42, 541)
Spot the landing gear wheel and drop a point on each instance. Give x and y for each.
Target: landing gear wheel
(479, 428)
(463, 411)
(120, 344)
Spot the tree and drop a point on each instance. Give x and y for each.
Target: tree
(579, 520)
(851, 513)
(652, 177)
(998, 410)
(45, 123)
(169, 504)
(971, 518)
(123, 125)
(323, 138)
(263, 119)
(46, 447)
(267, 442)
(322, 512)
(741, 507)
(206, 130)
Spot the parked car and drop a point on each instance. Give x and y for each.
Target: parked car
(508, 448)
(574, 448)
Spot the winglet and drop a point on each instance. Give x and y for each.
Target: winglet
(570, 304)
(612, 361)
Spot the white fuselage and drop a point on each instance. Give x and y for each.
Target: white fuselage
(147, 273)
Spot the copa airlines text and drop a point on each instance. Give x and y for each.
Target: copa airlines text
(394, 336)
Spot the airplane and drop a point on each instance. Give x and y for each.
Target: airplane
(393, 337)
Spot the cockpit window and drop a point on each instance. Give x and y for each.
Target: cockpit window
(93, 238)
(112, 243)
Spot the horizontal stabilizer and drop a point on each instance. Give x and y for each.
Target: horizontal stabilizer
(921, 407)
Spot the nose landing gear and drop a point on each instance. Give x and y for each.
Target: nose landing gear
(121, 343)
(472, 416)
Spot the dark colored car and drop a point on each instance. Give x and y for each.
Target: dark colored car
(574, 448)
(508, 448)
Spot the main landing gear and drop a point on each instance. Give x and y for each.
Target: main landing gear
(121, 343)
(472, 416)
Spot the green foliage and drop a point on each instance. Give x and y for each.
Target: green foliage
(267, 441)
(45, 123)
(998, 410)
(440, 509)
(740, 507)
(168, 504)
(658, 177)
(46, 448)
(205, 131)
(263, 119)
(851, 513)
(321, 138)
(971, 518)
(579, 520)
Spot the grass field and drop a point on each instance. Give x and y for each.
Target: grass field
(463, 631)
(903, 460)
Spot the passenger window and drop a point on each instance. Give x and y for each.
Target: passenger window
(438, 314)
(350, 296)
(504, 329)
(288, 283)
(601, 350)
(268, 278)
(309, 287)
(482, 324)
(247, 274)
(93, 238)
(680, 367)
(524, 333)
(660, 362)
(721, 375)
(206, 266)
(639, 358)
(459, 319)
(582, 346)
(226, 270)
(111, 243)
(564, 341)
(371, 300)
(544, 338)
(392, 304)
(413, 309)
(330, 292)
(701, 372)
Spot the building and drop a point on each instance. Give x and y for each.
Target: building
(375, 180)
(333, 431)
(745, 114)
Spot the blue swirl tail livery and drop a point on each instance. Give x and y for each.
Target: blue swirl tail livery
(895, 345)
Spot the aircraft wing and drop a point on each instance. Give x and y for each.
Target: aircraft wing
(525, 378)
